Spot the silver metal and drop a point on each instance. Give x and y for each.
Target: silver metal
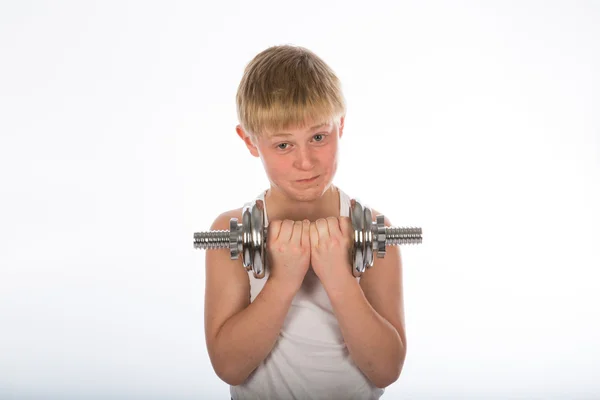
(246, 237)
(250, 238)
(379, 229)
(357, 217)
(258, 239)
(396, 236)
(368, 218)
(235, 238)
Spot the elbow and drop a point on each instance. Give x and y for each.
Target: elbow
(231, 379)
(224, 368)
(392, 373)
(386, 380)
(231, 376)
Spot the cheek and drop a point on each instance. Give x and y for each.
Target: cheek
(277, 166)
(329, 157)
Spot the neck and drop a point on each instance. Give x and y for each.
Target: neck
(281, 207)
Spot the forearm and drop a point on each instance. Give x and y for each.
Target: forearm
(246, 339)
(373, 343)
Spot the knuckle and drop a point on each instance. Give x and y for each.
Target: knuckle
(275, 225)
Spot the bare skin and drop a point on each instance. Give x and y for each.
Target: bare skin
(293, 245)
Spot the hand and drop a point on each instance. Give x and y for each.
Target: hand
(330, 241)
(288, 251)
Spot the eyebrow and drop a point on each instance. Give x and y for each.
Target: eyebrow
(312, 128)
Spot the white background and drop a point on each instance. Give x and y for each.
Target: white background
(477, 121)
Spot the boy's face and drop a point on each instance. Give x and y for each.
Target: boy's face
(294, 155)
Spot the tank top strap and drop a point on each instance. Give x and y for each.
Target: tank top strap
(344, 204)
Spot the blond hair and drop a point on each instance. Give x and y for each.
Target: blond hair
(287, 86)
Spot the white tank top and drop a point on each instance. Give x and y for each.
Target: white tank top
(309, 359)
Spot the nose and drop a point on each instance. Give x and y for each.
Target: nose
(304, 159)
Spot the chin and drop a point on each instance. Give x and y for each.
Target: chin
(308, 193)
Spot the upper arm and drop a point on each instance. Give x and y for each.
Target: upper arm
(382, 286)
(227, 286)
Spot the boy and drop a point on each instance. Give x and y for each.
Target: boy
(308, 329)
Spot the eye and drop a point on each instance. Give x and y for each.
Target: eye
(281, 144)
(319, 135)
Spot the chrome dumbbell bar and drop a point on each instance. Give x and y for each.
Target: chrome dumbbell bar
(249, 238)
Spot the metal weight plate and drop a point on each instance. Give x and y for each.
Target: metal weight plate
(235, 239)
(381, 236)
(368, 238)
(258, 240)
(357, 217)
(247, 237)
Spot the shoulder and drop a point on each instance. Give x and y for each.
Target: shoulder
(385, 270)
(221, 270)
(221, 222)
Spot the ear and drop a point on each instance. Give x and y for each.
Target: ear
(247, 140)
(341, 126)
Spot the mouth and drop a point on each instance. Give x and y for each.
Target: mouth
(308, 180)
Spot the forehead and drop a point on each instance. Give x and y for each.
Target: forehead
(307, 127)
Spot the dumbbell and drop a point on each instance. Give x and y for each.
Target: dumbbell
(250, 237)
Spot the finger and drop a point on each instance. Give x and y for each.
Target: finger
(322, 228)
(347, 228)
(286, 230)
(333, 225)
(348, 236)
(273, 230)
(305, 241)
(297, 233)
(314, 235)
